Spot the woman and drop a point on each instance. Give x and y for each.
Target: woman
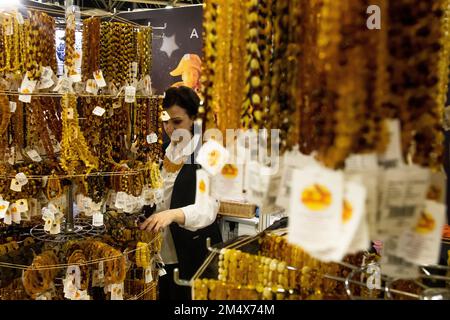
(185, 225)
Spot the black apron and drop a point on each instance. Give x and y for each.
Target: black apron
(190, 246)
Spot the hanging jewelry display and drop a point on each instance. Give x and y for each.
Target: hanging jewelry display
(91, 47)
(74, 148)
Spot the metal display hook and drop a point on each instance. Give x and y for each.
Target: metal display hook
(158, 28)
(178, 281)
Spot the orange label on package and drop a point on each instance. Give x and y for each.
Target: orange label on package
(316, 197)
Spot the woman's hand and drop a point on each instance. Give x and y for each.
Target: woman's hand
(161, 220)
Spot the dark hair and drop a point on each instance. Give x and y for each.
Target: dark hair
(183, 97)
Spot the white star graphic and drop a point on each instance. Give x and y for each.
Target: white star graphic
(169, 45)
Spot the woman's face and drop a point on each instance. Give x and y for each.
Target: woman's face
(179, 119)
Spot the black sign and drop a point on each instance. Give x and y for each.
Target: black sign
(177, 45)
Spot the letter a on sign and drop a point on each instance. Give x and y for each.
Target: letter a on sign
(374, 20)
(194, 33)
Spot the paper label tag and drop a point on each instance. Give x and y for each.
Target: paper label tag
(8, 217)
(4, 205)
(98, 111)
(148, 275)
(49, 217)
(70, 288)
(117, 291)
(101, 270)
(353, 210)
(212, 156)
(65, 85)
(134, 70)
(25, 98)
(58, 85)
(147, 85)
(8, 26)
(97, 219)
(162, 272)
(12, 106)
(152, 138)
(22, 205)
(27, 86)
(98, 76)
(394, 266)
(121, 198)
(15, 214)
(202, 190)
(15, 185)
(11, 156)
(21, 178)
(91, 86)
(86, 203)
(19, 17)
(393, 155)
(403, 193)
(130, 94)
(34, 155)
(75, 77)
(46, 83)
(47, 73)
(315, 210)
(421, 244)
(116, 105)
(130, 204)
(76, 273)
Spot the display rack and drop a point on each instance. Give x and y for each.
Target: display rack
(428, 293)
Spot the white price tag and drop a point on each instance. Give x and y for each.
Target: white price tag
(8, 217)
(15, 214)
(15, 185)
(91, 86)
(117, 291)
(46, 83)
(27, 86)
(130, 94)
(152, 138)
(21, 178)
(121, 199)
(44, 181)
(98, 76)
(97, 219)
(75, 77)
(47, 73)
(8, 26)
(19, 18)
(315, 210)
(98, 111)
(403, 192)
(12, 106)
(212, 156)
(86, 203)
(421, 244)
(116, 105)
(147, 85)
(393, 155)
(4, 205)
(130, 204)
(148, 275)
(25, 98)
(101, 270)
(22, 205)
(56, 228)
(34, 155)
(162, 272)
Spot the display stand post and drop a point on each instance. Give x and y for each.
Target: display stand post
(69, 226)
